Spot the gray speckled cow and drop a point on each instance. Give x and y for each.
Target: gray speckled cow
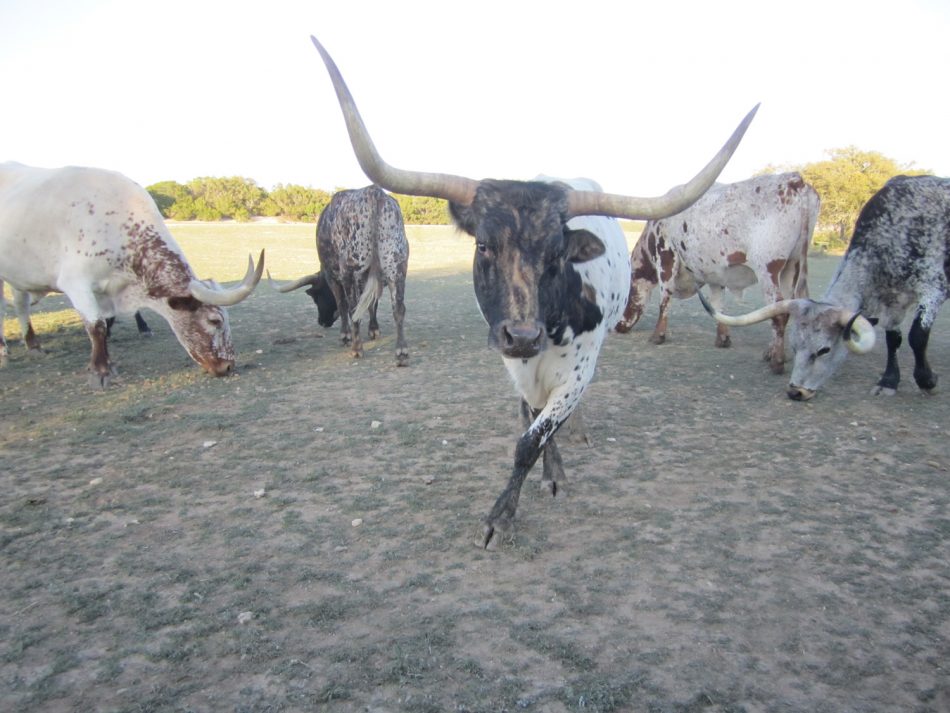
(97, 237)
(551, 273)
(899, 257)
(737, 234)
(362, 246)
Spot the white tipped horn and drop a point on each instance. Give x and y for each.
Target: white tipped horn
(760, 315)
(858, 332)
(293, 285)
(227, 297)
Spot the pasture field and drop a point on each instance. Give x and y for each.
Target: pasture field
(303, 535)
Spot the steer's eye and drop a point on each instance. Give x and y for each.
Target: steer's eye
(823, 351)
(483, 249)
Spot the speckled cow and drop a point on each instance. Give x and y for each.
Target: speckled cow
(737, 234)
(362, 246)
(899, 256)
(551, 273)
(98, 237)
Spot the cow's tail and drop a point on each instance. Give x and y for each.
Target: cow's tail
(370, 293)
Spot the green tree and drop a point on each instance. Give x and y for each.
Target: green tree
(845, 182)
(235, 197)
(423, 210)
(166, 194)
(294, 202)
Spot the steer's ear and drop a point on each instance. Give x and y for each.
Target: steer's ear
(184, 304)
(583, 245)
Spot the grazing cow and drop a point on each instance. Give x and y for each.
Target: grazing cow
(97, 237)
(737, 234)
(551, 273)
(899, 256)
(362, 246)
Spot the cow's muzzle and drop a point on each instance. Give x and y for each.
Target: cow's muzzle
(520, 340)
(799, 393)
(218, 367)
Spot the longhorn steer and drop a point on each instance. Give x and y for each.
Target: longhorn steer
(737, 234)
(97, 237)
(899, 256)
(362, 246)
(551, 273)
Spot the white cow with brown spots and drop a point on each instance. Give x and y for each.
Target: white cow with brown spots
(98, 237)
(737, 234)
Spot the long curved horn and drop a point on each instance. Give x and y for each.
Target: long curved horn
(226, 298)
(858, 332)
(760, 315)
(291, 286)
(439, 185)
(675, 200)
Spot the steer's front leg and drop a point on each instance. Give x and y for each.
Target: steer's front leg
(526, 455)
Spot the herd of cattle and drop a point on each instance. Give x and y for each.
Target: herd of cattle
(551, 271)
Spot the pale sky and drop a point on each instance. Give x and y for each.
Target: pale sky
(637, 95)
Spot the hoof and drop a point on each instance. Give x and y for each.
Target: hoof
(402, 358)
(551, 487)
(99, 381)
(879, 390)
(494, 532)
(623, 327)
(658, 339)
(724, 342)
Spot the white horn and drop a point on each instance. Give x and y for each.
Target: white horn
(227, 297)
(291, 286)
(760, 315)
(858, 332)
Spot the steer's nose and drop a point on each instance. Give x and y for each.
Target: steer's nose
(521, 340)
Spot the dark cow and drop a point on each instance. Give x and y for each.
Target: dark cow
(899, 257)
(362, 246)
(97, 237)
(551, 273)
(737, 234)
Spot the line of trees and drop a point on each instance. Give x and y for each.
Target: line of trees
(845, 181)
(238, 198)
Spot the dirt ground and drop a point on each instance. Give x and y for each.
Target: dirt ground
(303, 535)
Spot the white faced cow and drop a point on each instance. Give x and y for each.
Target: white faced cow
(362, 246)
(550, 274)
(737, 234)
(899, 256)
(97, 237)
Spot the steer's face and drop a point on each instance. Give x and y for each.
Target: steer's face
(204, 332)
(525, 282)
(323, 298)
(817, 340)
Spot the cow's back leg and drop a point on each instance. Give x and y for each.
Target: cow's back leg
(659, 331)
(892, 373)
(771, 278)
(373, 329)
(918, 338)
(354, 288)
(717, 294)
(343, 308)
(397, 295)
(21, 303)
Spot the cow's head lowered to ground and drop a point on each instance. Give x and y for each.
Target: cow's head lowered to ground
(550, 277)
